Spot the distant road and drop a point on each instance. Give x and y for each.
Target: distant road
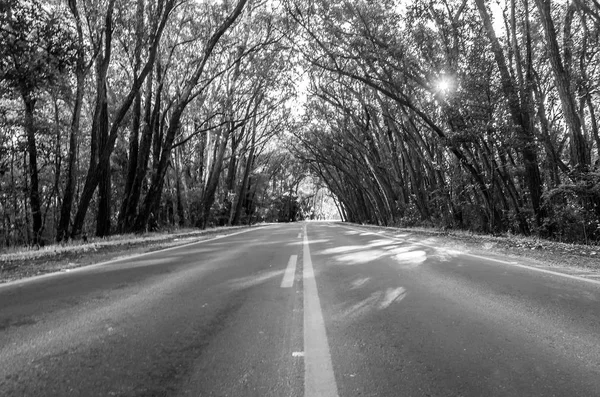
(311, 309)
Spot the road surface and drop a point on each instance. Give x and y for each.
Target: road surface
(312, 309)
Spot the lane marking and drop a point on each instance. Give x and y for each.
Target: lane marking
(485, 258)
(297, 354)
(537, 269)
(290, 273)
(319, 379)
(512, 263)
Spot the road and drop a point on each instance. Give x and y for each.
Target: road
(301, 309)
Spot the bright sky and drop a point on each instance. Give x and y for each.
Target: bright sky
(496, 11)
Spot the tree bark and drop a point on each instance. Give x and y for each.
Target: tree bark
(213, 179)
(94, 172)
(150, 201)
(520, 117)
(579, 156)
(34, 194)
(132, 159)
(244, 185)
(81, 71)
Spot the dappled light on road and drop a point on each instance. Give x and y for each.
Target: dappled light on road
(359, 282)
(342, 249)
(392, 295)
(378, 300)
(401, 248)
(360, 257)
(411, 258)
(310, 242)
(381, 242)
(446, 254)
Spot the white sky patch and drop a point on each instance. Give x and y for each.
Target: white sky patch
(497, 18)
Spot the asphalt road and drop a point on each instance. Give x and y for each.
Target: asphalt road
(311, 309)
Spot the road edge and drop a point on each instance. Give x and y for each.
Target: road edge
(486, 258)
(56, 273)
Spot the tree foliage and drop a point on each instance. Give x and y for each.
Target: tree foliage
(130, 115)
(455, 114)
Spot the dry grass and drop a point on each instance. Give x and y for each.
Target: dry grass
(22, 253)
(20, 262)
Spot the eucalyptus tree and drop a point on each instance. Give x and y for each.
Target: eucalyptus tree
(106, 125)
(36, 53)
(362, 41)
(81, 70)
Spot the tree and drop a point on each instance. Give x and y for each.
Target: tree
(37, 52)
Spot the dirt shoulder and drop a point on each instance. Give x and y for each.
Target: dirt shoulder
(21, 263)
(574, 259)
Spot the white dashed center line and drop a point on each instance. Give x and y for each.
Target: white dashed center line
(290, 272)
(319, 379)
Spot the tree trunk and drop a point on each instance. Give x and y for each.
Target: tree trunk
(34, 194)
(244, 185)
(213, 179)
(81, 71)
(579, 157)
(179, 187)
(520, 117)
(103, 214)
(151, 123)
(94, 172)
(136, 115)
(151, 199)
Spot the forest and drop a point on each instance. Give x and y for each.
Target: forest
(124, 116)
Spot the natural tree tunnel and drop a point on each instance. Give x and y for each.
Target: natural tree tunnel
(133, 115)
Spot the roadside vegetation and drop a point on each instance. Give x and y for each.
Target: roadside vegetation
(465, 115)
(20, 262)
(121, 116)
(131, 116)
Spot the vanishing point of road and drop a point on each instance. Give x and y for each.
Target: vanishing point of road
(312, 309)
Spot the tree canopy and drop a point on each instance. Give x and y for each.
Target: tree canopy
(134, 115)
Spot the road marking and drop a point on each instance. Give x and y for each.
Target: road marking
(319, 379)
(486, 258)
(537, 269)
(516, 264)
(297, 354)
(290, 273)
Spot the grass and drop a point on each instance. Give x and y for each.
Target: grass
(20, 262)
